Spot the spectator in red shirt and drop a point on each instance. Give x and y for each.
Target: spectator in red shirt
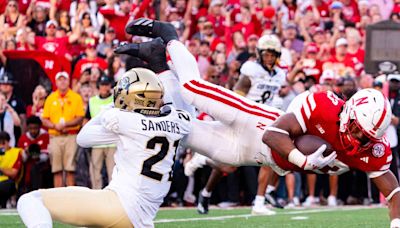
(354, 49)
(36, 166)
(216, 17)
(118, 19)
(90, 61)
(340, 63)
(53, 44)
(350, 11)
(11, 20)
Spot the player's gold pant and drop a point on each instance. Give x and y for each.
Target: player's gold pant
(81, 206)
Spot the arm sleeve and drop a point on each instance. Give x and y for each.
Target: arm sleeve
(93, 133)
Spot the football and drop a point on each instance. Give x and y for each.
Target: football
(308, 144)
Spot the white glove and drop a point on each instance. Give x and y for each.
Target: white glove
(395, 223)
(313, 161)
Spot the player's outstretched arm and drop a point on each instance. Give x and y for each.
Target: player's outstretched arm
(388, 185)
(93, 134)
(279, 137)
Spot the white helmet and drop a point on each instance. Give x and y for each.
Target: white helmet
(371, 112)
(269, 42)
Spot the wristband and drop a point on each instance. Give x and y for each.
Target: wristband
(275, 129)
(297, 158)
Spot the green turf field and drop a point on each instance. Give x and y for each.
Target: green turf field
(240, 217)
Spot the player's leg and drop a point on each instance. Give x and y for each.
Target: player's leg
(214, 140)
(259, 202)
(214, 178)
(76, 206)
(290, 185)
(154, 53)
(311, 181)
(224, 105)
(333, 189)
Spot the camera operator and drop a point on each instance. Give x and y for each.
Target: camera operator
(36, 159)
(10, 165)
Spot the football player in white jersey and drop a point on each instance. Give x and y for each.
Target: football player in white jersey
(146, 134)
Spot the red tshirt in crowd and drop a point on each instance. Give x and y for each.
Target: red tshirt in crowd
(118, 22)
(85, 63)
(57, 46)
(350, 12)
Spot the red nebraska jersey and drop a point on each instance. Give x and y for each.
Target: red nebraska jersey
(318, 114)
(42, 140)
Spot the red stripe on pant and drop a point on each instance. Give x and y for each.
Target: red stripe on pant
(223, 93)
(227, 102)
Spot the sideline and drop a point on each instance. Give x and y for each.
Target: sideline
(296, 212)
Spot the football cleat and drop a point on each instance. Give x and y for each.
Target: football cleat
(153, 52)
(272, 199)
(202, 205)
(310, 201)
(261, 210)
(152, 28)
(332, 202)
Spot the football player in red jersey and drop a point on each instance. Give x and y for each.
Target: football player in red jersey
(355, 129)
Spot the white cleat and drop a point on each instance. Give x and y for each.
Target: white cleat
(309, 202)
(332, 202)
(197, 161)
(262, 211)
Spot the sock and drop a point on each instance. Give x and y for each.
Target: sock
(270, 188)
(206, 193)
(259, 201)
(33, 212)
(184, 62)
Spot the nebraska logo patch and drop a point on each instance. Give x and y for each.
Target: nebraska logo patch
(378, 150)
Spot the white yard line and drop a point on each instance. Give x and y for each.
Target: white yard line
(320, 210)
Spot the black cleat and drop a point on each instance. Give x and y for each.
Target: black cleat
(152, 28)
(272, 199)
(153, 52)
(202, 205)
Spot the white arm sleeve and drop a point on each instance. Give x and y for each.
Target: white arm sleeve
(93, 133)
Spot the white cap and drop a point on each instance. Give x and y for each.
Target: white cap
(52, 22)
(62, 74)
(341, 41)
(216, 2)
(394, 77)
(327, 75)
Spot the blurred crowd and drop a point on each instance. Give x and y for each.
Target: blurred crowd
(322, 49)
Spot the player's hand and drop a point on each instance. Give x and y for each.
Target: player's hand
(317, 161)
(395, 223)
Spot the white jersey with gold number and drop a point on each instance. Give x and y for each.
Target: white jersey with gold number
(264, 86)
(145, 154)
